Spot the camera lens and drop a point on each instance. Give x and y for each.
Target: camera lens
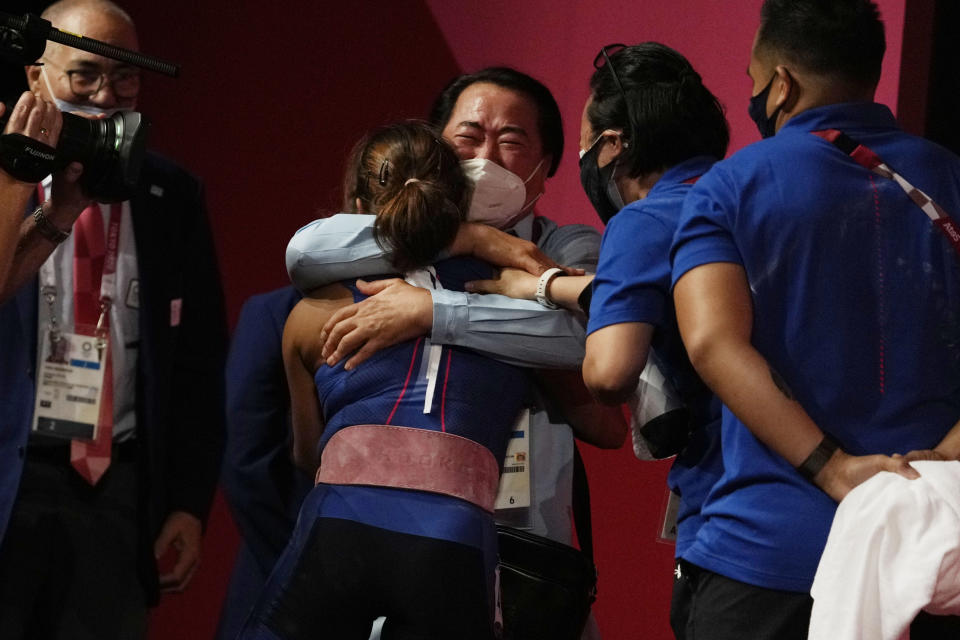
(110, 149)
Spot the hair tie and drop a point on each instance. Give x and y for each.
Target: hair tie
(409, 180)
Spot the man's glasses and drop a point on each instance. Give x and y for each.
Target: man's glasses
(85, 83)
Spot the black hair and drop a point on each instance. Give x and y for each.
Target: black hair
(408, 176)
(548, 113)
(843, 38)
(668, 115)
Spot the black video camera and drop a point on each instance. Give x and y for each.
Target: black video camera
(110, 149)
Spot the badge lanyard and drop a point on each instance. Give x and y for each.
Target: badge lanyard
(871, 161)
(108, 281)
(71, 384)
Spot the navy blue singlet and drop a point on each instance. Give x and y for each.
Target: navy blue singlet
(475, 397)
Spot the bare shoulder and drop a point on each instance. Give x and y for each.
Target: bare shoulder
(301, 334)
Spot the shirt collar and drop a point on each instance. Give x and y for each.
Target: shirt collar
(845, 116)
(524, 228)
(686, 170)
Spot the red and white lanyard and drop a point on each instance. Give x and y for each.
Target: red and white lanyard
(108, 281)
(872, 162)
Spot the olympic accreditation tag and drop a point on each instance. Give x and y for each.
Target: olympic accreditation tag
(668, 528)
(514, 491)
(69, 386)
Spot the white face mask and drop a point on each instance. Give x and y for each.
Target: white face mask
(499, 195)
(79, 109)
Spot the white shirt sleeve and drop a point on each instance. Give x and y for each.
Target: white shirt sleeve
(514, 331)
(333, 249)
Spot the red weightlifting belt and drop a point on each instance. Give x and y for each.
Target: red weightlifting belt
(407, 458)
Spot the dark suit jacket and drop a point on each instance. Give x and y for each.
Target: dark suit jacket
(179, 402)
(262, 486)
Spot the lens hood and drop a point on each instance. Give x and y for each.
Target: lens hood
(110, 149)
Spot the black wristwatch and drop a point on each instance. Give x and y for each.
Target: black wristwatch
(818, 458)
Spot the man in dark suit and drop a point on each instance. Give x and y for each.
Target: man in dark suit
(80, 554)
(261, 483)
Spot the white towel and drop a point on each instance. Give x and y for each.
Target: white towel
(893, 549)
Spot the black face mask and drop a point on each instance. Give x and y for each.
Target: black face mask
(595, 180)
(766, 125)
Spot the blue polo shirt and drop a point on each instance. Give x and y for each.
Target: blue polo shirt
(856, 304)
(633, 285)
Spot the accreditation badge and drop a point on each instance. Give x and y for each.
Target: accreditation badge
(514, 491)
(668, 523)
(70, 380)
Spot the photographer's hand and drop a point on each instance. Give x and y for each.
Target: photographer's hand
(22, 247)
(34, 118)
(42, 121)
(67, 198)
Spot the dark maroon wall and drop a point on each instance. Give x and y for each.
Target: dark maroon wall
(269, 102)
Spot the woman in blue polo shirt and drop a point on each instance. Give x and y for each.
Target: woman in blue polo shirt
(650, 128)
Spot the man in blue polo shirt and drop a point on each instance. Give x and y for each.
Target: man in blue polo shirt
(821, 305)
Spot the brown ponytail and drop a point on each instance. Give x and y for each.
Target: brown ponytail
(411, 179)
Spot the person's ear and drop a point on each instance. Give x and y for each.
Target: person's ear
(611, 146)
(615, 140)
(786, 93)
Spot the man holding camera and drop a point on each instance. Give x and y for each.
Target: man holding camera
(138, 280)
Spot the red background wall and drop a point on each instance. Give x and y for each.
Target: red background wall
(557, 42)
(268, 104)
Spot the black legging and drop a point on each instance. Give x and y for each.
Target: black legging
(347, 574)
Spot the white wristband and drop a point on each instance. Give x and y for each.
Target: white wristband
(542, 285)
